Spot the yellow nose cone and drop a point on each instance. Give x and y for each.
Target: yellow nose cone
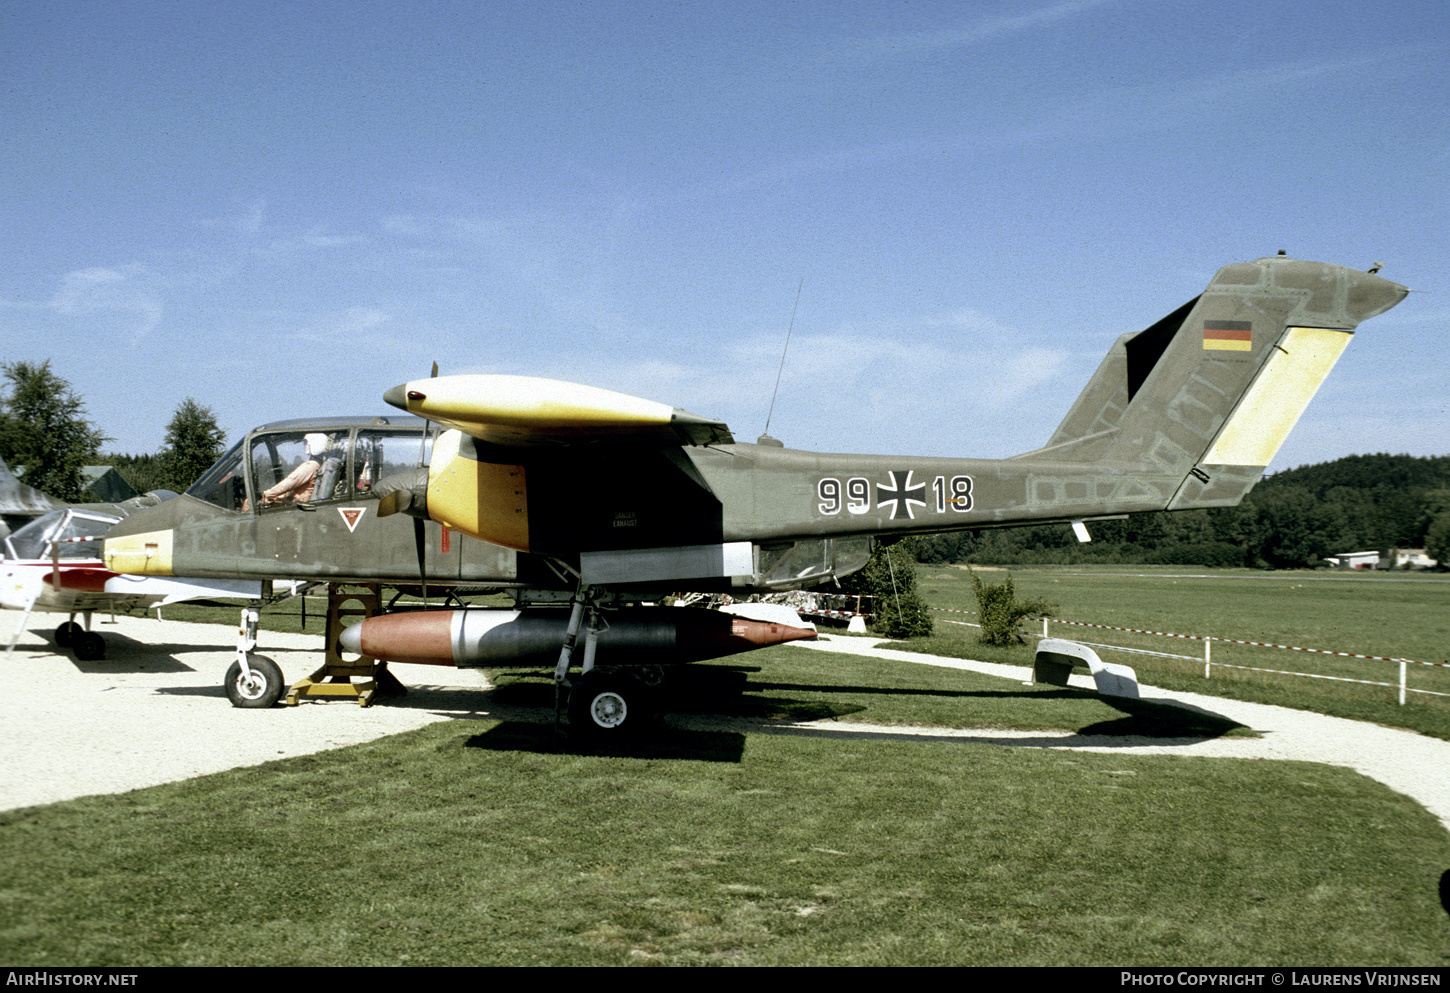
(147, 554)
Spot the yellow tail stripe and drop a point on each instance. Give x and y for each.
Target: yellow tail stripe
(1272, 406)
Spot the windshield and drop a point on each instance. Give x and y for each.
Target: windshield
(315, 467)
(222, 484)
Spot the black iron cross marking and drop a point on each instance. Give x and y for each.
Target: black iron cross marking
(903, 495)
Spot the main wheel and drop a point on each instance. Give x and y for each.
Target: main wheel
(67, 632)
(608, 705)
(262, 689)
(88, 646)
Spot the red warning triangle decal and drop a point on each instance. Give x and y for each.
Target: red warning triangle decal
(351, 515)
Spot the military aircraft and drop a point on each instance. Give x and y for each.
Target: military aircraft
(608, 500)
(295, 500)
(53, 565)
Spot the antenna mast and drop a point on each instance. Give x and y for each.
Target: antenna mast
(771, 413)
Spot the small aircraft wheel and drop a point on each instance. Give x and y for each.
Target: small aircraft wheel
(88, 646)
(66, 633)
(607, 705)
(261, 690)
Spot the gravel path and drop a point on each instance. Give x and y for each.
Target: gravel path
(154, 712)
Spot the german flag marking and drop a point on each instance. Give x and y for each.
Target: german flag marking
(1232, 336)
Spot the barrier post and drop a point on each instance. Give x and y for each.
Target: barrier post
(1402, 682)
(1207, 657)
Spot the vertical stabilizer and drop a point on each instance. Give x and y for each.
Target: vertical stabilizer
(1211, 391)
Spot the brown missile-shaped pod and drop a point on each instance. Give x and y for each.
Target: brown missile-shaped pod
(493, 638)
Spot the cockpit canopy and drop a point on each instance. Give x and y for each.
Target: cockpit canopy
(301, 463)
(55, 534)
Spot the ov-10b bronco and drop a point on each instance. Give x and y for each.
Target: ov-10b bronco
(599, 501)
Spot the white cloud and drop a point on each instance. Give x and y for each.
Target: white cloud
(87, 292)
(918, 44)
(358, 325)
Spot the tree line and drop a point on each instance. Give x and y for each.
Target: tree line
(44, 429)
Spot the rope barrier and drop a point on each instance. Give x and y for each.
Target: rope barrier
(1229, 641)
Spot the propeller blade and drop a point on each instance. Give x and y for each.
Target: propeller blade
(419, 534)
(419, 539)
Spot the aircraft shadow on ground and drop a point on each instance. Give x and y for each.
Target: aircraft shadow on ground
(126, 654)
(526, 700)
(730, 693)
(1141, 718)
(662, 743)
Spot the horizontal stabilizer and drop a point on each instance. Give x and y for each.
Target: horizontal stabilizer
(1056, 657)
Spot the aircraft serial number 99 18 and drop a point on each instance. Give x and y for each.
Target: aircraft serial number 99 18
(901, 494)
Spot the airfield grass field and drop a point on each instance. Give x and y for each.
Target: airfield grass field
(1399, 615)
(728, 839)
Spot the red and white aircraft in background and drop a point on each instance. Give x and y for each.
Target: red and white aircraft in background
(53, 564)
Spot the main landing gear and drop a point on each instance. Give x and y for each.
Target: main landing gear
(605, 703)
(609, 704)
(83, 642)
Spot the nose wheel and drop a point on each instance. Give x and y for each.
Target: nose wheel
(260, 686)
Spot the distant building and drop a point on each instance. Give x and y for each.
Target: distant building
(1411, 558)
(105, 485)
(1395, 558)
(1355, 560)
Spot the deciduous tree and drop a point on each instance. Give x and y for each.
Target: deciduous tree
(193, 442)
(898, 611)
(43, 427)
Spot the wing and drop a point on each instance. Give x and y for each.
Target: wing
(523, 411)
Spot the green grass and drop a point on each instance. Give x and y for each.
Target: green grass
(1403, 616)
(488, 843)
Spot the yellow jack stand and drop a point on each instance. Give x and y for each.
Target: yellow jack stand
(334, 679)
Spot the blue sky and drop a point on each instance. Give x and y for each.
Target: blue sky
(282, 210)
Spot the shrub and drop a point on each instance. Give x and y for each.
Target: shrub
(1001, 611)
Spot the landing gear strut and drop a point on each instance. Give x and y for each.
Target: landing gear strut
(608, 703)
(252, 681)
